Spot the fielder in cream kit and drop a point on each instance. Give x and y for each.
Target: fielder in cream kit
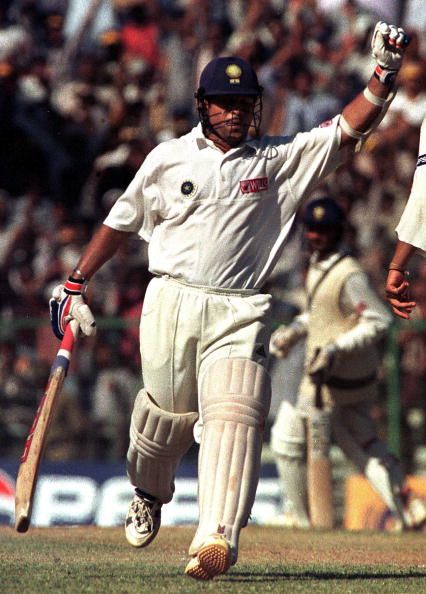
(343, 323)
(216, 206)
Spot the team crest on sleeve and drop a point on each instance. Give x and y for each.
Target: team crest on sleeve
(188, 188)
(421, 160)
(250, 186)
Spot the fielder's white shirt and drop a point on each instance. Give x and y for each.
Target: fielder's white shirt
(412, 226)
(221, 219)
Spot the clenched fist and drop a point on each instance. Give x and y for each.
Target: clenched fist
(388, 45)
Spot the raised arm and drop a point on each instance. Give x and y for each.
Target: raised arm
(362, 115)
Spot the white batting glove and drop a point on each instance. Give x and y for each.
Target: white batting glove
(387, 47)
(320, 365)
(68, 303)
(283, 340)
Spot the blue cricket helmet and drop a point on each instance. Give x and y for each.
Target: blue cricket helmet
(323, 212)
(228, 76)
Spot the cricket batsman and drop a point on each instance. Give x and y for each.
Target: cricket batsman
(216, 206)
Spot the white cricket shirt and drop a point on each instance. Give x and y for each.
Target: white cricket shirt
(221, 219)
(412, 226)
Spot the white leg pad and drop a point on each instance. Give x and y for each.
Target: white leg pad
(292, 474)
(158, 441)
(288, 435)
(235, 399)
(288, 442)
(381, 469)
(385, 475)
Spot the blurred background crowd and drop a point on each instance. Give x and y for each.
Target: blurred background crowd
(87, 89)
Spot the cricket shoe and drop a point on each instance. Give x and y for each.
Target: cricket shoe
(414, 513)
(143, 520)
(212, 559)
(288, 519)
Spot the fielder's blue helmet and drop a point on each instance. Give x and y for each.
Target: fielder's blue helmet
(323, 212)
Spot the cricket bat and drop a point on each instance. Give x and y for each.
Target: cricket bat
(319, 479)
(34, 445)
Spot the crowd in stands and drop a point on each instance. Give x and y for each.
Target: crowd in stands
(84, 96)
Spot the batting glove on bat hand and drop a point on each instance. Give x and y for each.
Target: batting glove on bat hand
(387, 47)
(283, 339)
(68, 303)
(320, 365)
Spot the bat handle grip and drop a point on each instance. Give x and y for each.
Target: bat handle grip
(70, 336)
(318, 381)
(318, 394)
(63, 355)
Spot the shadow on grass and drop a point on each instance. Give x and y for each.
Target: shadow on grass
(321, 575)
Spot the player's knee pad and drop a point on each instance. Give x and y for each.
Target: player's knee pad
(235, 399)
(288, 432)
(158, 440)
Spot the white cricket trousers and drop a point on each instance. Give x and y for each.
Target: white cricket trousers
(185, 328)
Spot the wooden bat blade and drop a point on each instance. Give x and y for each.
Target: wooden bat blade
(34, 445)
(320, 493)
(33, 451)
(319, 476)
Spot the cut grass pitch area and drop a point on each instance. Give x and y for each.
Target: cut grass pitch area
(98, 560)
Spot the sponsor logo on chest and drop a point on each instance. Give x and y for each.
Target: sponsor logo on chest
(250, 186)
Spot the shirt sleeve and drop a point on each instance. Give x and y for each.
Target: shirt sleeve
(412, 226)
(311, 157)
(359, 299)
(138, 208)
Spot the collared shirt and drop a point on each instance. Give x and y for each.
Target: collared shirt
(221, 219)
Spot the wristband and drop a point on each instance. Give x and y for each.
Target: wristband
(398, 268)
(386, 77)
(74, 286)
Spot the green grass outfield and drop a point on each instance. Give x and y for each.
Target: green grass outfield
(98, 560)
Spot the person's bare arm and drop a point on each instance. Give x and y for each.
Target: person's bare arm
(68, 300)
(362, 115)
(397, 284)
(103, 245)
